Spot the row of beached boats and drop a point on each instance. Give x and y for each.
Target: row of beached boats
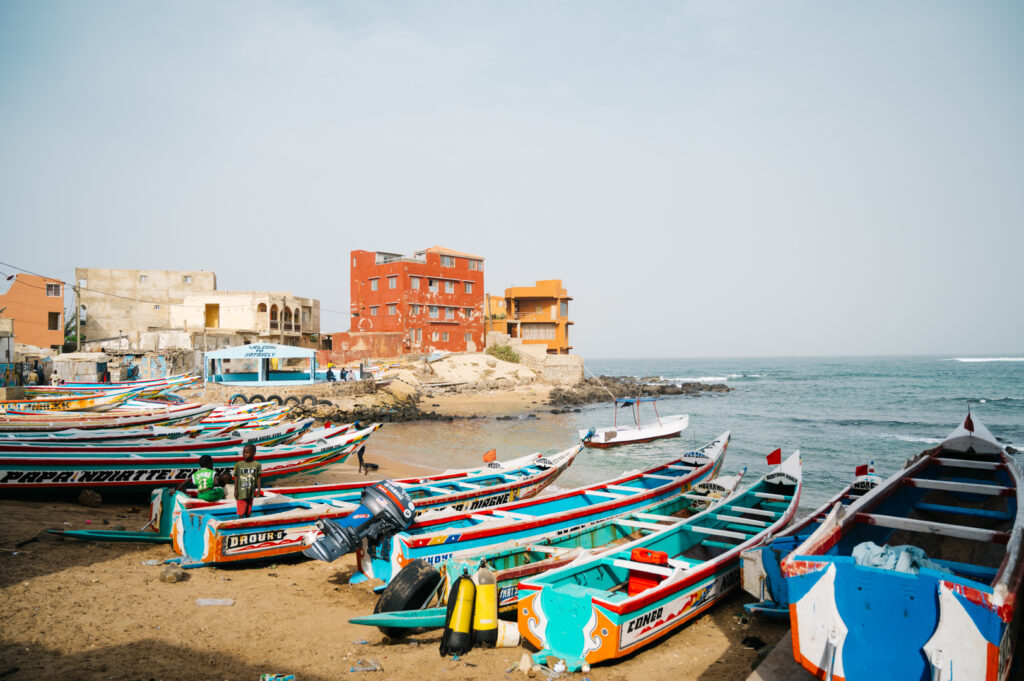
(913, 577)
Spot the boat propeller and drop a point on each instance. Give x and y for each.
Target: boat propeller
(385, 509)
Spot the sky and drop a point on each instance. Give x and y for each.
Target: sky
(707, 178)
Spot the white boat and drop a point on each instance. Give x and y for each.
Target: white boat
(666, 426)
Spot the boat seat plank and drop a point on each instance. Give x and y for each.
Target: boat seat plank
(552, 550)
(963, 463)
(658, 518)
(755, 511)
(769, 495)
(512, 514)
(644, 567)
(636, 524)
(682, 466)
(694, 497)
(930, 527)
(719, 533)
(741, 521)
(469, 485)
(968, 569)
(655, 476)
(949, 486)
(963, 510)
(717, 544)
(622, 488)
(602, 493)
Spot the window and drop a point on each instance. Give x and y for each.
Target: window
(469, 337)
(469, 286)
(447, 261)
(433, 336)
(433, 311)
(469, 313)
(432, 285)
(444, 336)
(156, 307)
(414, 309)
(143, 278)
(188, 278)
(392, 308)
(475, 265)
(563, 309)
(53, 321)
(449, 313)
(392, 282)
(82, 283)
(373, 311)
(53, 290)
(449, 287)
(373, 284)
(414, 283)
(538, 332)
(419, 335)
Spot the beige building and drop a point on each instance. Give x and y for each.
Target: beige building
(164, 309)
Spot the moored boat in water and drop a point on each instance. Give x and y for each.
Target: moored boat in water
(668, 426)
(920, 578)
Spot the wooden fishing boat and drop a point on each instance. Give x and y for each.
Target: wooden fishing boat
(615, 602)
(761, 567)
(939, 601)
(286, 521)
(53, 420)
(439, 536)
(144, 387)
(668, 426)
(141, 469)
(94, 401)
(516, 561)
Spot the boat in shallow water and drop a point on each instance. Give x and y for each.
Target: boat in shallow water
(610, 604)
(920, 579)
(667, 426)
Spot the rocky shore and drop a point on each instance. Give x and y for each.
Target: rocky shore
(605, 388)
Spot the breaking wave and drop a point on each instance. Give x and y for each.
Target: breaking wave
(708, 379)
(987, 359)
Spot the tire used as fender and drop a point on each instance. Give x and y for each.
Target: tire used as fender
(411, 589)
(256, 398)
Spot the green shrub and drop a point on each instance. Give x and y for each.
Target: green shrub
(503, 352)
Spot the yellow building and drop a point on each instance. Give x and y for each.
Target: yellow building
(536, 314)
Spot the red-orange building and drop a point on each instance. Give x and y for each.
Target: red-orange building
(36, 304)
(434, 298)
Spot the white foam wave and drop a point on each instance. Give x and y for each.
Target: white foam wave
(988, 359)
(924, 440)
(694, 379)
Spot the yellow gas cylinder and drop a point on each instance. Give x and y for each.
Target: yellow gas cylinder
(457, 638)
(485, 612)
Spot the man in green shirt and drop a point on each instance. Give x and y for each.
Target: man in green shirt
(206, 480)
(247, 481)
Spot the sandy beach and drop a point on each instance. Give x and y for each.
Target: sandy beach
(83, 610)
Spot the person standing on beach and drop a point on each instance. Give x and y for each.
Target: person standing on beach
(247, 480)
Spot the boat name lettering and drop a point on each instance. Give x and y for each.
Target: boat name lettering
(84, 477)
(484, 503)
(237, 541)
(508, 595)
(644, 620)
(437, 560)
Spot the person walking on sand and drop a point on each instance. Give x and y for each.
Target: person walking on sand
(247, 481)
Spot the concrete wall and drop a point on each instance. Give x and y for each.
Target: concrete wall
(355, 346)
(29, 304)
(274, 316)
(550, 369)
(142, 299)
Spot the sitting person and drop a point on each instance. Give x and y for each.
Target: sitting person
(206, 480)
(330, 374)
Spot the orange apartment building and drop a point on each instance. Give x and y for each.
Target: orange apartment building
(36, 304)
(434, 299)
(537, 314)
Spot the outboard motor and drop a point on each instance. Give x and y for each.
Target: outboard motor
(386, 509)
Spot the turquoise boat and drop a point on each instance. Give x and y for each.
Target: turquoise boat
(613, 603)
(438, 537)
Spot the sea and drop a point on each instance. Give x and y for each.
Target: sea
(840, 412)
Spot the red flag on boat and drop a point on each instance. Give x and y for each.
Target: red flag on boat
(775, 458)
(968, 423)
(490, 456)
(861, 470)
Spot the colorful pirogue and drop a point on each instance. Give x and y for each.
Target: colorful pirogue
(285, 521)
(145, 466)
(513, 562)
(438, 537)
(615, 602)
(146, 387)
(919, 579)
(39, 421)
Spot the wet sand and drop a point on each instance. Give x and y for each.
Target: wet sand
(83, 610)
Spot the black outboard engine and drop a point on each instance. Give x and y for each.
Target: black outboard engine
(386, 509)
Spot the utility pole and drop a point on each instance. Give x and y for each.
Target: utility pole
(78, 322)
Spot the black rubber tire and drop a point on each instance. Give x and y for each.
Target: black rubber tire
(292, 400)
(256, 398)
(237, 396)
(308, 400)
(409, 590)
(325, 403)
(276, 399)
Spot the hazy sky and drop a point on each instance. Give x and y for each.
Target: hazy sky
(707, 178)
